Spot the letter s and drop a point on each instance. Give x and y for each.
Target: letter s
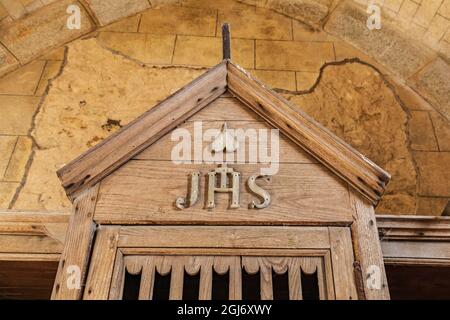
(263, 194)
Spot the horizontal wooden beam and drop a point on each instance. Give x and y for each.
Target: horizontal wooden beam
(418, 228)
(32, 236)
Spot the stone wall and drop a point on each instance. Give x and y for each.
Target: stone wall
(425, 20)
(381, 91)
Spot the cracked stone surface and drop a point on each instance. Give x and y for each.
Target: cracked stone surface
(96, 93)
(355, 103)
(99, 91)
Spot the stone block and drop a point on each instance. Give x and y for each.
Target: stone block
(19, 160)
(434, 173)
(256, 23)
(7, 61)
(276, 79)
(207, 51)
(7, 144)
(388, 46)
(23, 81)
(179, 20)
(433, 83)
(147, 48)
(421, 132)
(16, 114)
(45, 28)
(293, 55)
(107, 11)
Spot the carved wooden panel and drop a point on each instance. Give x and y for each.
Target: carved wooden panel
(220, 262)
(177, 267)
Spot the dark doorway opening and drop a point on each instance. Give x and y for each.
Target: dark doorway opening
(418, 282)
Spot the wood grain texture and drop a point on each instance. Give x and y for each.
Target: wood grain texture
(223, 237)
(362, 174)
(204, 266)
(287, 151)
(414, 228)
(77, 246)
(118, 278)
(145, 192)
(24, 234)
(102, 264)
(419, 250)
(27, 280)
(343, 259)
(105, 157)
(367, 247)
(226, 108)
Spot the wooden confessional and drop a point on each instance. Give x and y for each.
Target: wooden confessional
(145, 226)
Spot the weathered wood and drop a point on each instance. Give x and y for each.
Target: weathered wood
(228, 237)
(105, 157)
(235, 289)
(343, 259)
(266, 281)
(147, 279)
(407, 229)
(102, 264)
(295, 280)
(145, 192)
(224, 252)
(24, 234)
(362, 174)
(415, 240)
(206, 279)
(226, 41)
(287, 151)
(226, 109)
(367, 248)
(200, 250)
(414, 228)
(176, 280)
(118, 278)
(77, 245)
(416, 250)
(30, 257)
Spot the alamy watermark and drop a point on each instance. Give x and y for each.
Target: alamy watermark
(211, 146)
(74, 18)
(374, 19)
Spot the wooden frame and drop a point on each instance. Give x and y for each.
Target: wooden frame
(32, 236)
(413, 240)
(367, 250)
(115, 243)
(427, 233)
(77, 247)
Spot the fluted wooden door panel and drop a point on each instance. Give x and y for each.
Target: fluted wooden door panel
(204, 263)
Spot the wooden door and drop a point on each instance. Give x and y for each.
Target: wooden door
(221, 262)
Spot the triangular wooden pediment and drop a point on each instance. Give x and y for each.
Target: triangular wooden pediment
(100, 161)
